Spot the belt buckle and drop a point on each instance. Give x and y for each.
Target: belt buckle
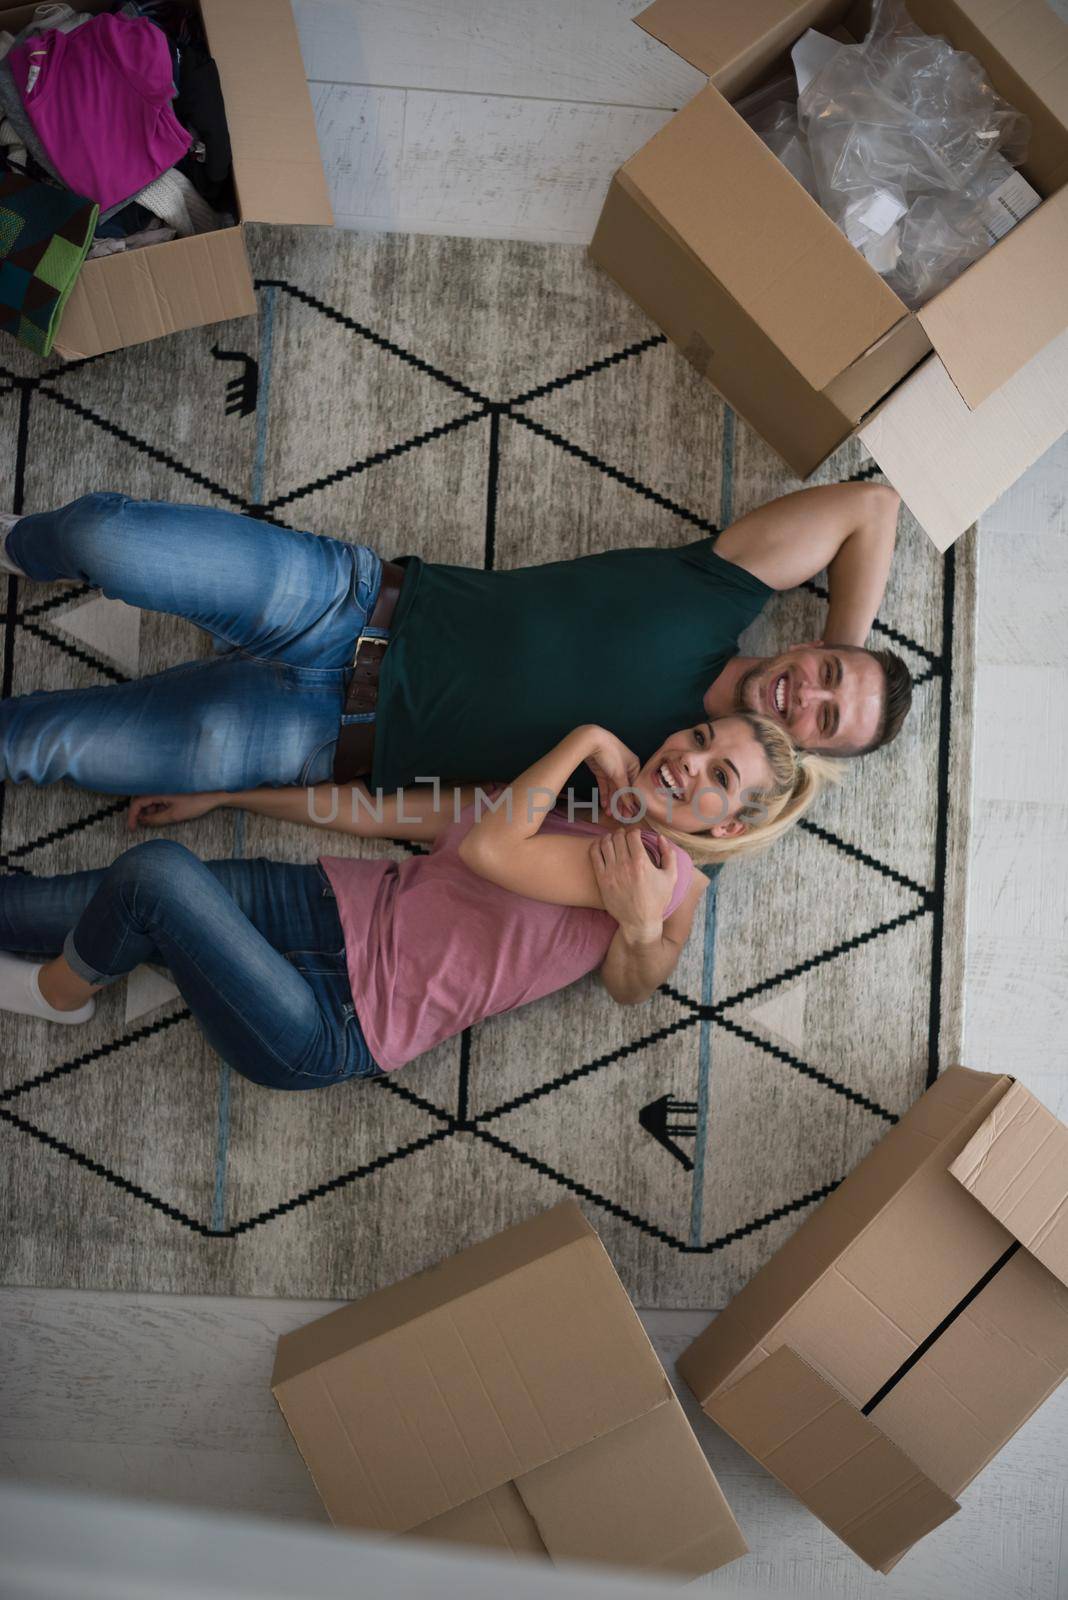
(367, 639)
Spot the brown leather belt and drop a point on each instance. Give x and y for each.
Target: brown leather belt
(356, 740)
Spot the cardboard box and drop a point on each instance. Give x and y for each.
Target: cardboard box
(911, 1324)
(509, 1398)
(130, 298)
(716, 241)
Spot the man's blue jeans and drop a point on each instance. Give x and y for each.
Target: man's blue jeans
(255, 947)
(285, 607)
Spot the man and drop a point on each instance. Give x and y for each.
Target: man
(335, 663)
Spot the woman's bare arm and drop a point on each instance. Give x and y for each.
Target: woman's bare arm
(419, 813)
(640, 958)
(506, 843)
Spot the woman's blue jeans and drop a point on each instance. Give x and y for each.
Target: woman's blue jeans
(255, 947)
(285, 608)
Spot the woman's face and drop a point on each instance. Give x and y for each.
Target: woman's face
(701, 777)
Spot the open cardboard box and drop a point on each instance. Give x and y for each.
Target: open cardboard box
(508, 1398)
(129, 298)
(716, 241)
(911, 1324)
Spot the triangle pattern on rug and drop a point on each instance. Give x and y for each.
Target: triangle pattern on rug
(700, 1127)
(109, 627)
(784, 1015)
(147, 990)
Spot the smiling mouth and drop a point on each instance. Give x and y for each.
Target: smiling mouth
(778, 696)
(668, 779)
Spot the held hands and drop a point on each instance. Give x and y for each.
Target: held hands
(615, 767)
(635, 891)
(164, 810)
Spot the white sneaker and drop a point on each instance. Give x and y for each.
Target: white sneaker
(7, 522)
(20, 991)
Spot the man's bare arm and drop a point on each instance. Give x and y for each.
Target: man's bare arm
(847, 528)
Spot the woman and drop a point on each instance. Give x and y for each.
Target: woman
(301, 976)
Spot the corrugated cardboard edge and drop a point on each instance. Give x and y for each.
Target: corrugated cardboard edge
(712, 1537)
(688, 28)
(402, 1298)
(849, 307)
(785, 1374)
(498, 1520)
(1021, 1120)
(622, 181)
(585, 1237)
(747, 1326)
(277, 163)
(136, 296)
(1018, 323)
(950, 463)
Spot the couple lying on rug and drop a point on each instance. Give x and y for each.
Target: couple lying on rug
(333, 668)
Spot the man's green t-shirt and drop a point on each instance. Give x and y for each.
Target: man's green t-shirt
(486, 671)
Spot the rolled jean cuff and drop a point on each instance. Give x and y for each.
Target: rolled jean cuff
(82, 968)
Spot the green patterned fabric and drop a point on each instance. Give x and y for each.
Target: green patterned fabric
(45, 233)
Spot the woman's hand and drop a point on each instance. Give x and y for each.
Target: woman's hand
(634, 891)
(615, 768)
(164, 810)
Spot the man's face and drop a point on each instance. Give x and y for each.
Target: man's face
(828, 699)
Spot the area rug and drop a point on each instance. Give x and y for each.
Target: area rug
(499, 403)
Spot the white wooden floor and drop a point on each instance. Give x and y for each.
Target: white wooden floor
(505, 118)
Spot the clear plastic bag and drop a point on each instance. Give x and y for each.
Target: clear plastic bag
(907, 138)
(780, 130)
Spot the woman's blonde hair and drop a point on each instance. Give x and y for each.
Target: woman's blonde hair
(798, 779)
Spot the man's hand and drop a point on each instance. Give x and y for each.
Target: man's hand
(634, 891)
(164, 810)
(615, 768)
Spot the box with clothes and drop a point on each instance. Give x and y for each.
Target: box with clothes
(793, 314)
(137, 138)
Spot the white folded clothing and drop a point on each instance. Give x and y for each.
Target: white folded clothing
(132, 241)
(173, 199)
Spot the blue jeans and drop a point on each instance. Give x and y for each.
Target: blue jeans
(285, 608)
(255, 947)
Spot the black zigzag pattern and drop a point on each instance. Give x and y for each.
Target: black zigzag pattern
(460, 1123)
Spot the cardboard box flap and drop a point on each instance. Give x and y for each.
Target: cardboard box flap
(732, 33)
(137, 295)
(834, 1459)
(477, 1387)
(916, 1143)
(497, 1521)
(643, 1497)
(1016, 1166)
(1032, 41)
(278, 170)
(388, 1309)
(1017, 294)
(984, 1373)
(949, 462)
(703, 176)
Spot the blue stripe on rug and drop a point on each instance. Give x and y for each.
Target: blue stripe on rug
(708, 970)
(259, 460)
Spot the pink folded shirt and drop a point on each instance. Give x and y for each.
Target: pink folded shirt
(100, 101)
(432, 948)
